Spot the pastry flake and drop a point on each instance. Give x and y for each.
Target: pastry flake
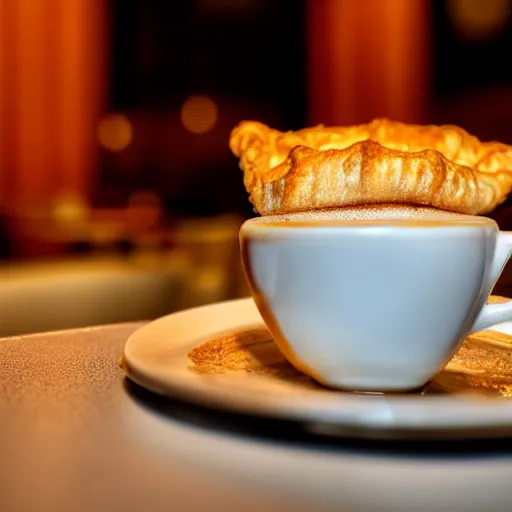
(383, 162)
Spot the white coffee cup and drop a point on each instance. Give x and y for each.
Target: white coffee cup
(379, 303)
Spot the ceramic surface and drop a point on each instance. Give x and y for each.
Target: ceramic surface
(374, 305)
(223, 356)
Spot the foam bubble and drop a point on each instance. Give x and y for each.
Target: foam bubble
(368, 213)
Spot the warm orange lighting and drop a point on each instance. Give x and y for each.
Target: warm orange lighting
(69, 208)
(478, 18)
(356, 44)
(199, 114)
(115, 132)
(144, 209)
(46, 123)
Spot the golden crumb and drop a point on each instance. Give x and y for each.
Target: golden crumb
(248, 351)
(483, 365)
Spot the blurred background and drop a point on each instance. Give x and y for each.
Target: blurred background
(119, 199)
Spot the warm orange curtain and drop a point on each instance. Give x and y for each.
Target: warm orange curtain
(52, 88)
(368, 58)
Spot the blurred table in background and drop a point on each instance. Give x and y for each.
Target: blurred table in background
(76, 269)
(83, 292)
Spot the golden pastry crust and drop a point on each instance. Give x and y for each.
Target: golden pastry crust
(381, 162)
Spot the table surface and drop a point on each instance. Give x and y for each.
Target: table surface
(77, 436)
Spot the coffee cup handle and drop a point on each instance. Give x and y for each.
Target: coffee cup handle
(492, 314)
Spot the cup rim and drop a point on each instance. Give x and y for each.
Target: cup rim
(278, 224)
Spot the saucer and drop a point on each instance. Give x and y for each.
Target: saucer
(222, 356)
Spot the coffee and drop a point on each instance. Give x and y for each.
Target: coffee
(379, 214)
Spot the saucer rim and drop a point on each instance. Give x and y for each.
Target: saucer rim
(404, 416)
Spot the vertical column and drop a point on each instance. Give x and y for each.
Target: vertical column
(52, 91)
(33, 99)
(367, 59)
(8, 93)
(82, 78)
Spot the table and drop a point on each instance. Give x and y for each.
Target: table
(76, 436)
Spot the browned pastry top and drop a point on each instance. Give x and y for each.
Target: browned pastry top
(383, 162)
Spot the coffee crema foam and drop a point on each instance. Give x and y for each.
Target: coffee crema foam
(369, 213)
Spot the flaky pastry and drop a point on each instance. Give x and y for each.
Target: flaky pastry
(383, 162)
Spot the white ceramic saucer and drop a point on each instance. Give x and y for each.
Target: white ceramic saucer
(263, 384)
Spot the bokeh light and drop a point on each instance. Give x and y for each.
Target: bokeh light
(199, 114)
(115, 132)
(69, 208)
(478, 19)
